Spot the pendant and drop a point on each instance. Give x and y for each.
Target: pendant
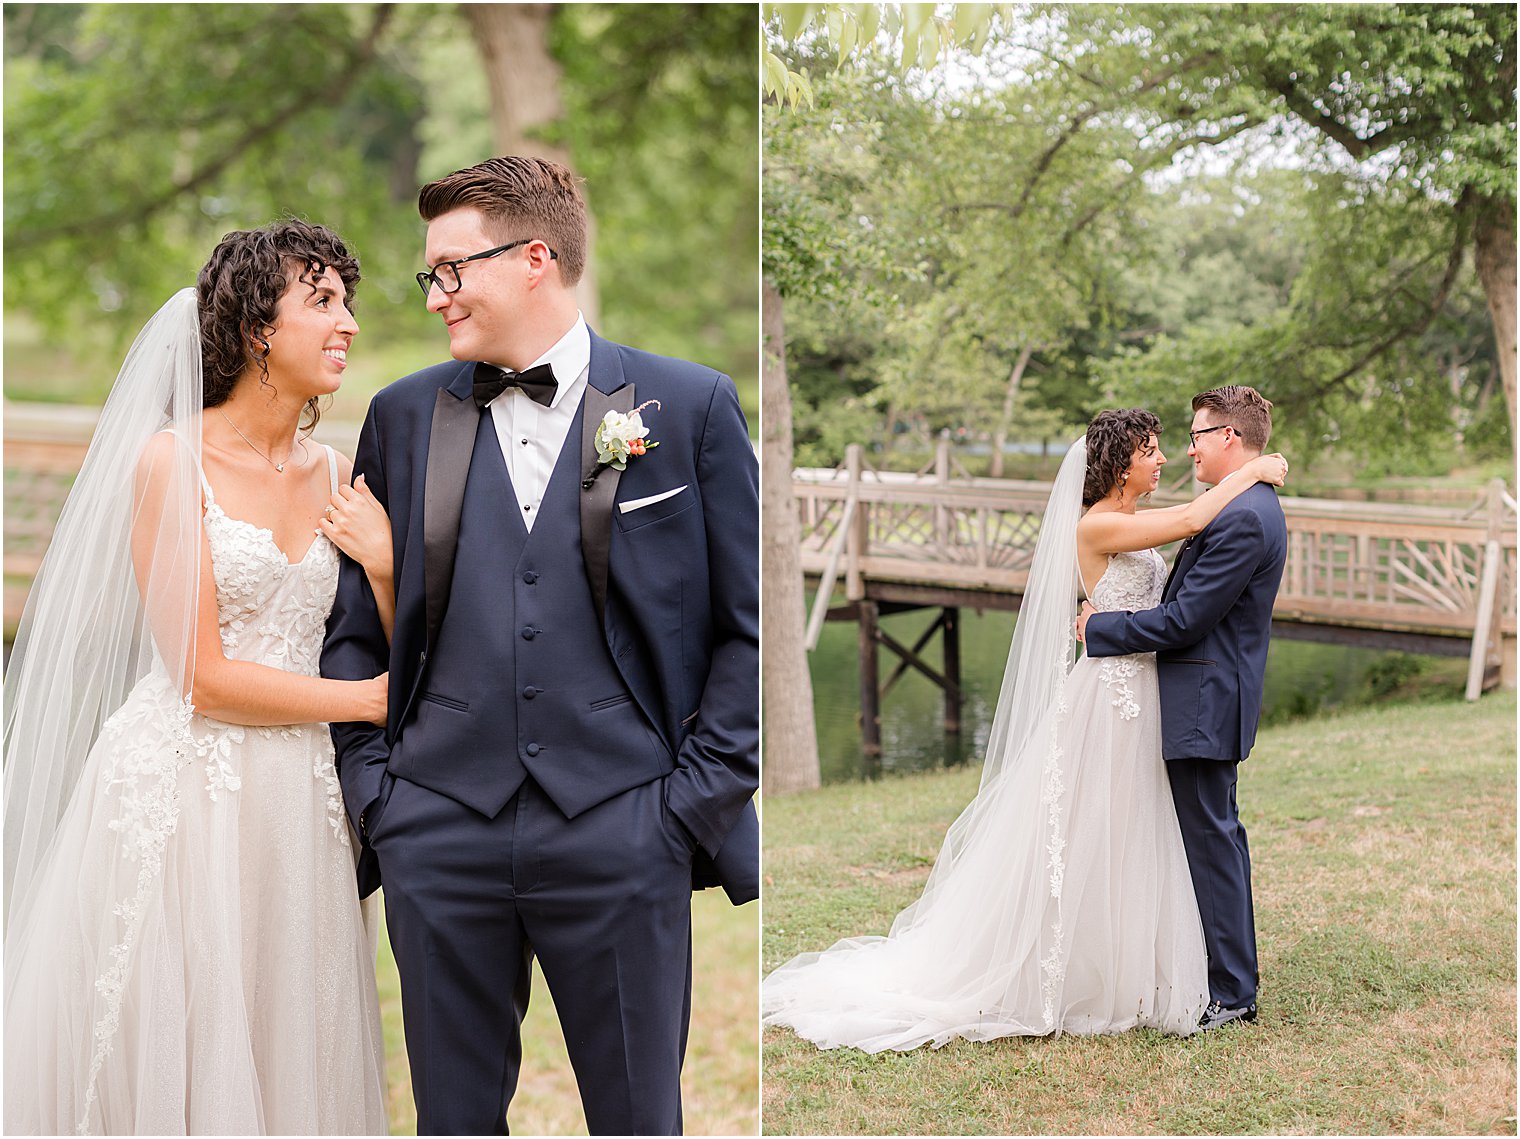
(281, 466)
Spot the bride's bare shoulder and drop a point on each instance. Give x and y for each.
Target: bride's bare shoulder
(159, 455)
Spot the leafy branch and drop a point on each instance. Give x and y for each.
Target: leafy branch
(358, 56)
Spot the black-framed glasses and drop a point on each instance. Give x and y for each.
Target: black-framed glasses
(445, 274)
(1193, 435)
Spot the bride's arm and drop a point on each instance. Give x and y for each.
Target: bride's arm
(359, 526)
(238, 692)
(1112, 531)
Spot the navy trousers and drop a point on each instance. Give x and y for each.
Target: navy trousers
(604, 902)
(1220, 862)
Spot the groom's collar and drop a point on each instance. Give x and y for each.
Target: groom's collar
(605, 373)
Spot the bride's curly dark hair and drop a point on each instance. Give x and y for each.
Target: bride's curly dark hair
(1112, 439)
(239, 288)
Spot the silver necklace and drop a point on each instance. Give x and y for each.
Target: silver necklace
(280, 467)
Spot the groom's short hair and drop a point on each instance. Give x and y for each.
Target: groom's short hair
(1242, 408)
(520, 198)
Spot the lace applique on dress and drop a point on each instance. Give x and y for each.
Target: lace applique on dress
(1115, 672)
(1131, 582)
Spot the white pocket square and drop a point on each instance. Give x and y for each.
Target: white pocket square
(640, 503)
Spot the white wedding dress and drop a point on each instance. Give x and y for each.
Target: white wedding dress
(197, 961)
(1065, 904)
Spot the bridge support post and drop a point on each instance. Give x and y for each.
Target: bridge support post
(950, 642)
(870, 690)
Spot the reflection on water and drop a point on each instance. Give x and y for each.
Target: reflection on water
(1301, 678)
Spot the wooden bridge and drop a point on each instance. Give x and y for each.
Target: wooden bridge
(1426, 579)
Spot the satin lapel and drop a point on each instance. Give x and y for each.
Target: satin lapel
(599, 483)
(1166, 590)
(451, 442)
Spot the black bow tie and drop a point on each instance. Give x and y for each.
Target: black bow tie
(538, 384)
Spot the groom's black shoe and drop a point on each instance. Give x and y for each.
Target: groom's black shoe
(1216, 1014)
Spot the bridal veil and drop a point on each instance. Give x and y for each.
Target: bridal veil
(117, 587)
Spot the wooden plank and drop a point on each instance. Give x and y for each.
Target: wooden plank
(1384, 640)
(910, 657)
(46, 456)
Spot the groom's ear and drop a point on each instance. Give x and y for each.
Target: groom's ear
(542, 264)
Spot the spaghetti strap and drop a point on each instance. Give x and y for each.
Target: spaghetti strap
(332, 469)
(196, 459)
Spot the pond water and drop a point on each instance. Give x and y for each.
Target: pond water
(1302, 678)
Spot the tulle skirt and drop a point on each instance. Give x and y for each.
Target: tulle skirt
(1061, 901)
(194, 960)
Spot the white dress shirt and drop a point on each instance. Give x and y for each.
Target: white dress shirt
(531, 435)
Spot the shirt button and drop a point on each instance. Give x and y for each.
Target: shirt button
(524, 442)
(529, 692)
(530, 577)
(528, 632)
(532, 749)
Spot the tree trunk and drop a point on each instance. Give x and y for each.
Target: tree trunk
(406, 158)
(1005, 420)
(1494, 257)
(513, 41)
(791, 740)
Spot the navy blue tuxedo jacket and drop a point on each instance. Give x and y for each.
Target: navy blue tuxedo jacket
(676, 582)
(1210, 631)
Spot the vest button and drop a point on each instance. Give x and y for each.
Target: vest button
(529, 692)
(529, 578)
(528, 632)
(532, 749)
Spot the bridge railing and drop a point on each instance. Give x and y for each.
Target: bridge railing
(1424, 569)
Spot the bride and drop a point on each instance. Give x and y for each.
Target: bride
(185, 950)
(1061, 899)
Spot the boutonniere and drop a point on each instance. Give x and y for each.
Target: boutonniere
(621, 437)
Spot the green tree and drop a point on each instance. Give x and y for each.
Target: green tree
(137, 134)
(134, 138)
(1409, 107)
(660, 111)
(1394, 128)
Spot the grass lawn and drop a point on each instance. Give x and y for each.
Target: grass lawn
(1383, 852)
(720, 1084)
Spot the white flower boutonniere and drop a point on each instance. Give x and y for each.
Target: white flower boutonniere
(621, 437)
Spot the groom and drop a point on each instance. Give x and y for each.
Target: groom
(573, 728)
(1210, 636)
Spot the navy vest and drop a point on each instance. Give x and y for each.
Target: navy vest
(520, 680)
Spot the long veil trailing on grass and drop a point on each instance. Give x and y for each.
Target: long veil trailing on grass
(1058, 902)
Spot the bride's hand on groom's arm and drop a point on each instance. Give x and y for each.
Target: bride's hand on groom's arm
(358, 525)
(375, 696)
